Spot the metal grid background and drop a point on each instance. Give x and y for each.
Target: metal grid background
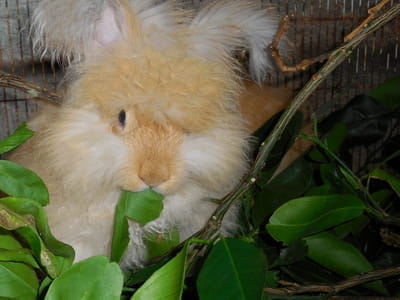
(318, 26)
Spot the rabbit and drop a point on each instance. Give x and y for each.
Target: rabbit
(153, 101)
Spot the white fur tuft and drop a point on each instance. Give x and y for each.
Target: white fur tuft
(73, 29)
(224, 26)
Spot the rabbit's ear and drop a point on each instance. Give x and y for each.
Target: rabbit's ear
(75, 28)
(81, 28)
(222, 27)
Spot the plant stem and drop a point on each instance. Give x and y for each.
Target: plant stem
(34, 91)
(334, 60)
(294, 288)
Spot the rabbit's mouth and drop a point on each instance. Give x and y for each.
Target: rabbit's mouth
(163, 181)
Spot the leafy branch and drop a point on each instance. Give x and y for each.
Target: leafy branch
(335, 58)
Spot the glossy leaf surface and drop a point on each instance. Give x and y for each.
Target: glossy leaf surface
(340, 257)
(141, 207)
(167, 282)
(17, 138)
(53, 255)
(308, 215)
(94, 278)
(17, 181)
(234, 269)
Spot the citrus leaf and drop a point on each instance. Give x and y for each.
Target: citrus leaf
(53, 255)
(159, 243)
(17, 281)
(354, 226)
(17, 181)
(388, 92)
(290, 183)
(289, 255)
(167, 282)
(93, 279)
(366, 119)
(340, 257)
(141, 275)
(8, 241)
(234, 269)
(17, 138)
(320, 190)
(20, 255)
(334, 140)
(141, 207)
(335, 177)
(393, 181)
(308, 215)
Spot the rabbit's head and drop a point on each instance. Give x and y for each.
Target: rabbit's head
(154, 100)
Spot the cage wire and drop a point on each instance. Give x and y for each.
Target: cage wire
(317, 26)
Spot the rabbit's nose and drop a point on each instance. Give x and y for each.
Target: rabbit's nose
(154, 174)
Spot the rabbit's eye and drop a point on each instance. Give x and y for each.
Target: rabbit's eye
(122, 118)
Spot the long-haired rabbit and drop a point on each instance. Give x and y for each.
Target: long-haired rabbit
(153, 102)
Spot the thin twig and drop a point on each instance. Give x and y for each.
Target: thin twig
(372, 15)
(306, 63)
(335, 59)
(34, 91)
(294, 288)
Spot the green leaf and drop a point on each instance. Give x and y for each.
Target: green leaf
(320, 190)
(340, 257)
(334, 177)
(295, 252)
(53, 255)
(271, 280)
(388, 92)
(17, 138)
(381, 196)
(233, 270)
(158, 244)
(16, 181)
(366, 119)
(393, 181)
(333, 140)
(167, 282)
(17, 281)
(44, 285)
(141, 275)
(93, 279)
(141, 207)
(290, 183)
(354, 226)
(308, 215)
(8, 241)
(20, 255)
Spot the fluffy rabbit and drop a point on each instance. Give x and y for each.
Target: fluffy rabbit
(153, 101)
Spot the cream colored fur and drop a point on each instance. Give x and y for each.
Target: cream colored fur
(175, 78)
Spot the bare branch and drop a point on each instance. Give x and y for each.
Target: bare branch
(306, 63)
(294, 288)
(372, 15)
(34, 91)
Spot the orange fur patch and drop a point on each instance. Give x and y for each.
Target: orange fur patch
(259, 103)
(161, 86)
(153, 149)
